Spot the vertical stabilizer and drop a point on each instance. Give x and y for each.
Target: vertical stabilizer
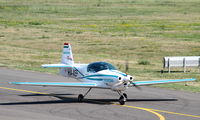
(67, 58)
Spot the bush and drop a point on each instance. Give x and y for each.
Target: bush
(144, 62)
(35, 23)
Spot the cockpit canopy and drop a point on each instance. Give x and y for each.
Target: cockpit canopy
(98, 66)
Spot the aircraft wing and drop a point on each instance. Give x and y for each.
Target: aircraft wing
(56, 65)
(140, 83)
(58, 84)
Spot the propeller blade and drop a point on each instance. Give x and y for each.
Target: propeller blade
(139, 88)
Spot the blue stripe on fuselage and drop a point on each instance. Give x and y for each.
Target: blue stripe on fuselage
(100, 75)
(95, 79)
(100, 79)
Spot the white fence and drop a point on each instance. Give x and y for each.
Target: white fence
(181, 61)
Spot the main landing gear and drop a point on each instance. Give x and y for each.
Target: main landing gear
(122, 98)
(81, 96)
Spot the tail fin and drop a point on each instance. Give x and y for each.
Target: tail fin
(67, 57)
(67, 62)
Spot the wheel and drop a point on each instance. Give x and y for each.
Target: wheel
(125, 95)
(122, 100)
(80, 98)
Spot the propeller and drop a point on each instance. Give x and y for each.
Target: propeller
(130, 81)
(139, 88)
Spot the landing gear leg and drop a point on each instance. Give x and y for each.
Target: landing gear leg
(125, 95)
(122, 98)
(81, 96)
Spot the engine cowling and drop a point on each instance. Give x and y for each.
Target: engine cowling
(123, 83)
(119, 86)
(131, 78)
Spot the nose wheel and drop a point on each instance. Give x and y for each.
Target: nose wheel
(123, 98)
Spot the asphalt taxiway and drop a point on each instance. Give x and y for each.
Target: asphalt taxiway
(60, 103)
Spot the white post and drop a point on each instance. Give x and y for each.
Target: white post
(184, 65)
(168, 65)
(199, 64)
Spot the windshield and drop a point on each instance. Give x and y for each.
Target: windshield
(98, 66)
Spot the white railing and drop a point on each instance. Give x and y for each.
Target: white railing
(181, 61)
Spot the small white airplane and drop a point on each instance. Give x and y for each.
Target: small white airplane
(95, 75)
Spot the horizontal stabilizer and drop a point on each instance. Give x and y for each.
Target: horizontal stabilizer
(58, 84)
(161, 81)
(56, 66)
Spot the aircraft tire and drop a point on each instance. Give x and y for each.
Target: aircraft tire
(122, 100)
(80, 98)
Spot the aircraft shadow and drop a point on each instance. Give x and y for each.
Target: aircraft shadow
(46, 94)
(74, 100)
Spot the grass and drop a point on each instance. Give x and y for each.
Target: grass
(144, 31)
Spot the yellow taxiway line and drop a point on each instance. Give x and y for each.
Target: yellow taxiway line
(13, 89)
(154, 111)
(146, 109)
(188, 115)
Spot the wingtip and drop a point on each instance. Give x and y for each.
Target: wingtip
(43, 66)
(193, 79)
(12, 82)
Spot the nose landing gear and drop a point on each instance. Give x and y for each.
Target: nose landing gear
(123, 98)
(125, 95)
